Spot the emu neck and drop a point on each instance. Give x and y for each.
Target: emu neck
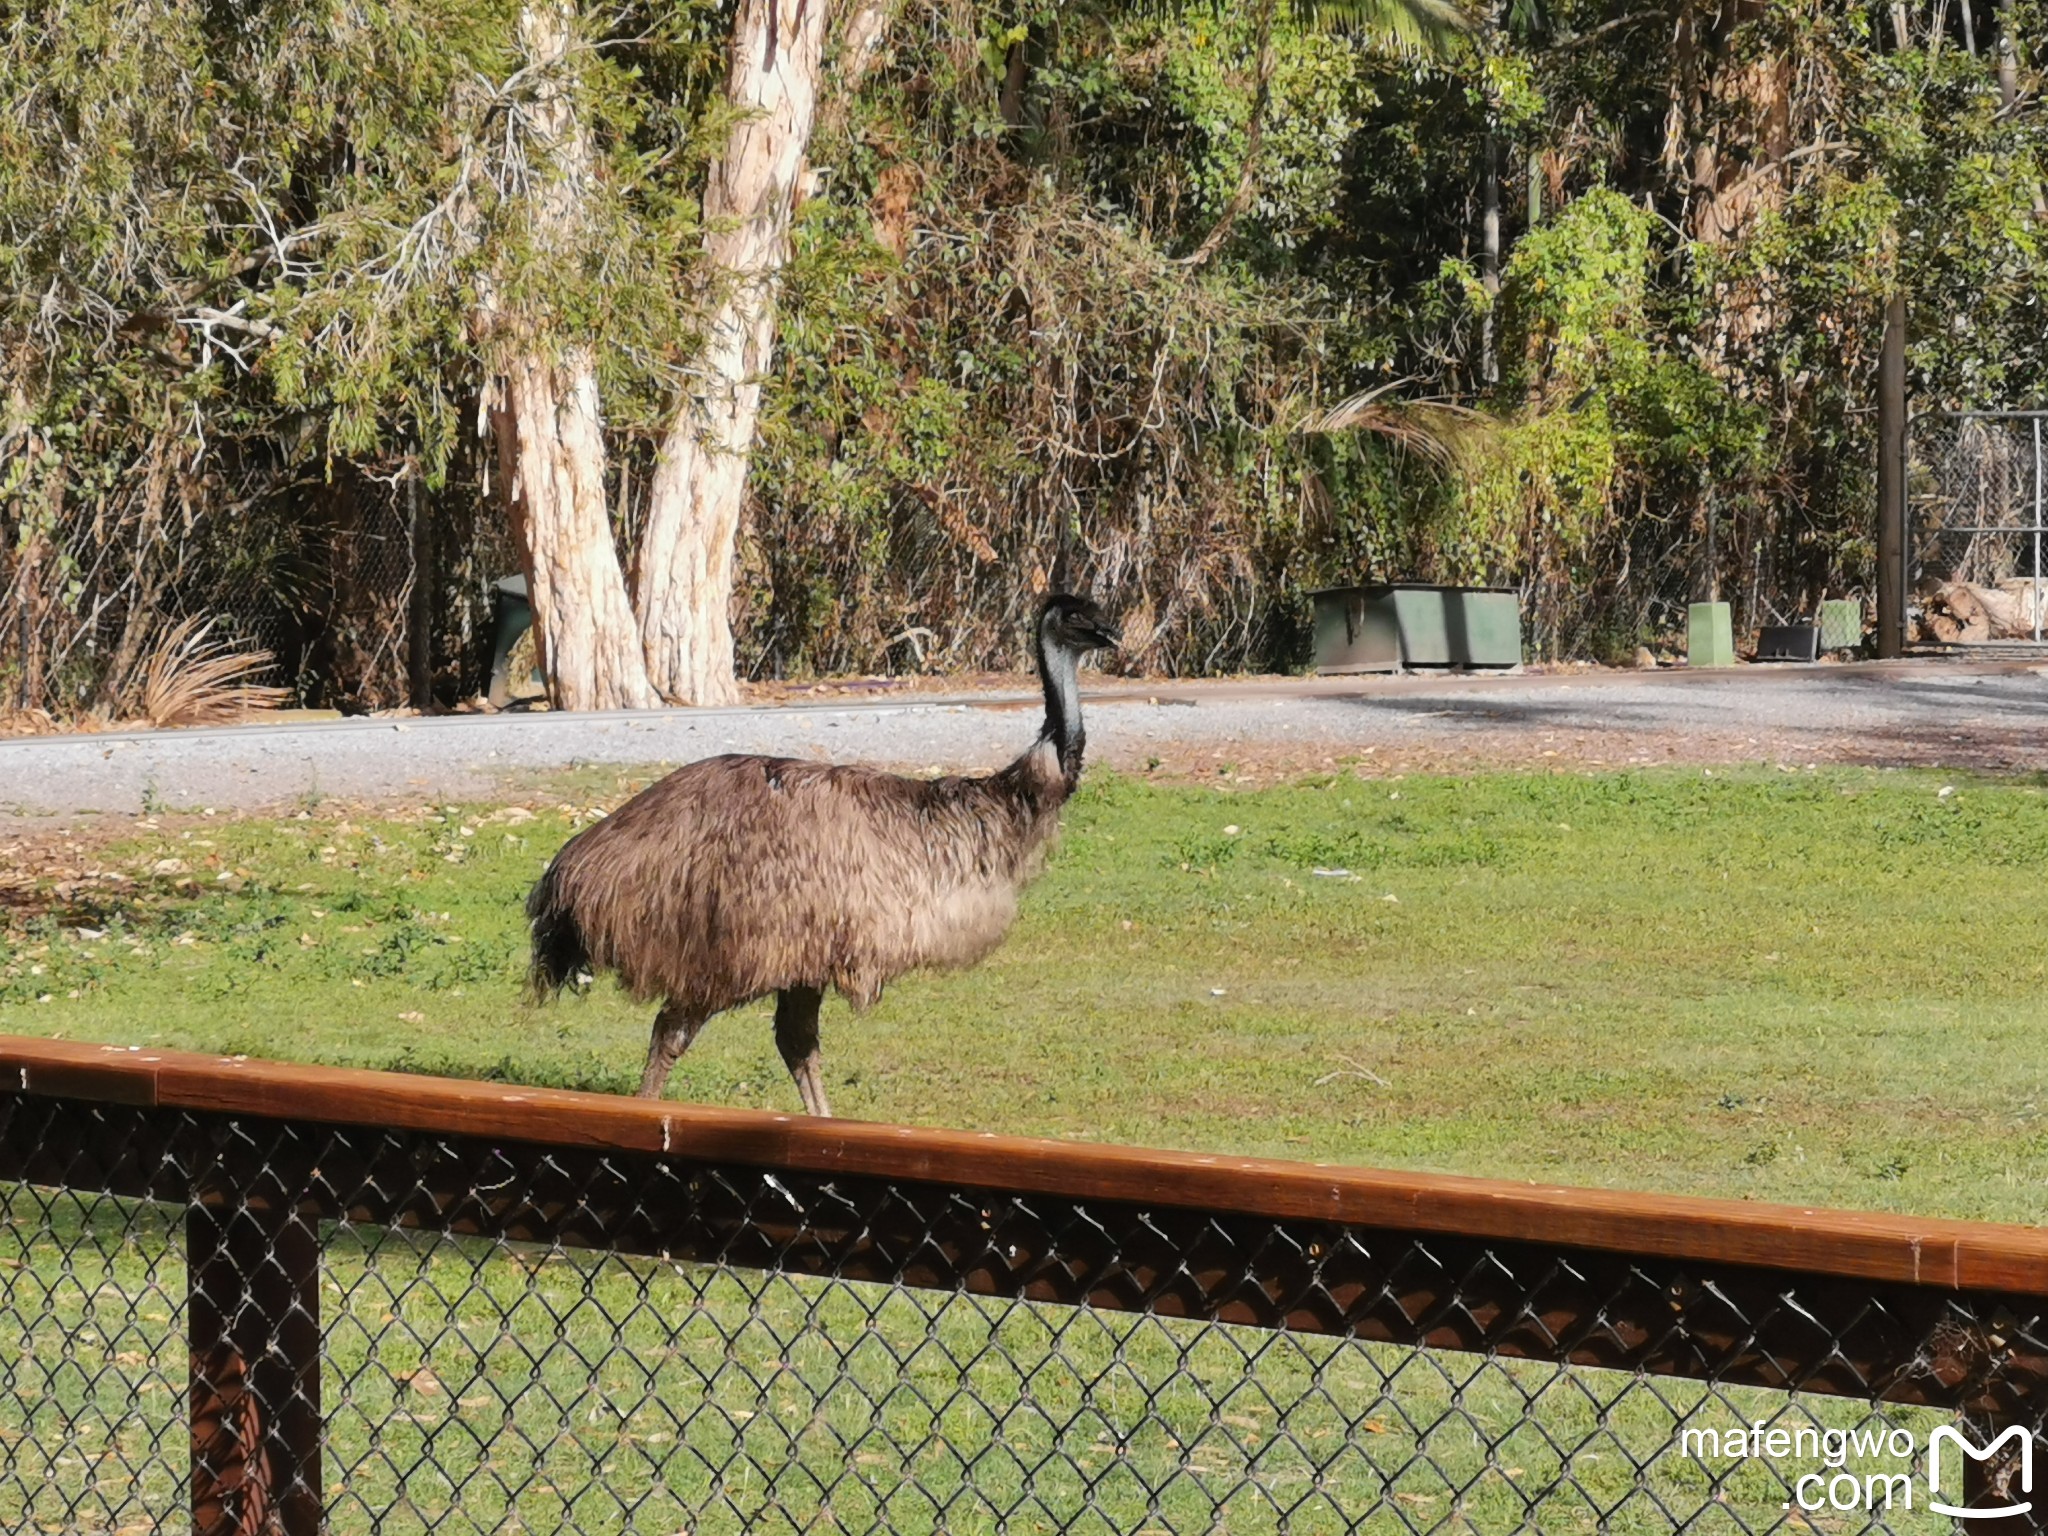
(1059, 671)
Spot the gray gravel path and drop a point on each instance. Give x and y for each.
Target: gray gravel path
(1993, 716)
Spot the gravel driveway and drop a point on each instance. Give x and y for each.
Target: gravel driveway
(1984, 715)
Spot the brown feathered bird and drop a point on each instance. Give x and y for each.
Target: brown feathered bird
(740, 876)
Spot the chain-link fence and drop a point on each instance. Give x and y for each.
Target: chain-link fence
(404, 613)
(1977, 514)
(366, 589)
(236, 1298)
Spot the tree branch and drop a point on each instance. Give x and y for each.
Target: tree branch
(1254, 137)
(234, 322)
(1581, 39)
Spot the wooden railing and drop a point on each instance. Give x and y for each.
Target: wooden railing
(266, 1162)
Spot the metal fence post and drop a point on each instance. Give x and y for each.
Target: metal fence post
(2038, 512)
(419, 614)
(253, 1321)
(1891, 482)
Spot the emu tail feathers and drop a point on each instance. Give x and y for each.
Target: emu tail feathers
(561, 954)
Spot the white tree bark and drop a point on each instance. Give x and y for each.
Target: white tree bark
(547, 425)
(550, 442)
(683, 578)
(860, 41)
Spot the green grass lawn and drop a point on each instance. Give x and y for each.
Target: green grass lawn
(1806, 986)
(1820, 986)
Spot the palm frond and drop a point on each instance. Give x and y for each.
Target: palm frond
(1423, 26)
(194, 679)
(1447, 435)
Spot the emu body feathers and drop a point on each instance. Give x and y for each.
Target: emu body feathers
(739, 876)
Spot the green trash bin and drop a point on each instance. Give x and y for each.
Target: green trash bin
(511, 617)
(1841, 624)
(1709, 636)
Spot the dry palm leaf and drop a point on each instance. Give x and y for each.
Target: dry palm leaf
(29, 722)
(192, 679)
(1445, 434)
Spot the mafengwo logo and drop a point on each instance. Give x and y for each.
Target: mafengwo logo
(1950, 1436)
(1872, 1468)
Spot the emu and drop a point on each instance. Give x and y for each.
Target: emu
(739, 876)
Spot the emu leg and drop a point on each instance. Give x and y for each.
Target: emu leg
(796, 1036)
(674, 1029)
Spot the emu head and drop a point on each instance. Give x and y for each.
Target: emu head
(1074, 626)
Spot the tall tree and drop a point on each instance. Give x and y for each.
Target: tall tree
(546, 421)
(684, 574)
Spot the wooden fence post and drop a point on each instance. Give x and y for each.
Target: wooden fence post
(2001, 1481)
(2002, 1418)
(253, 1320)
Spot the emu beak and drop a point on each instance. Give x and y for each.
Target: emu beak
(1101, 637)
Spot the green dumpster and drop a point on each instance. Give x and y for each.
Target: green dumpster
(1456, 626)
(1385, 627)
(1485, 626)
(1354, 632)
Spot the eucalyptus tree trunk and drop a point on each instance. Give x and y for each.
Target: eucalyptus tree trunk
(2008, 56)
(546, 422)
(550, 443)
(860, 41)
(1489, 254)
(683, 578)
(1738, 116)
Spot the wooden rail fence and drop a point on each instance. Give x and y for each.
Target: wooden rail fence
(260, 1159)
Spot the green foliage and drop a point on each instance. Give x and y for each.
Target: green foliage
(241, 250)
(1654, 382)
(1318, 98)
(1573, 295)
(1610, 412)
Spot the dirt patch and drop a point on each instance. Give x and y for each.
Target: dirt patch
(836, 688)
(68, 875)
(1248, 764)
